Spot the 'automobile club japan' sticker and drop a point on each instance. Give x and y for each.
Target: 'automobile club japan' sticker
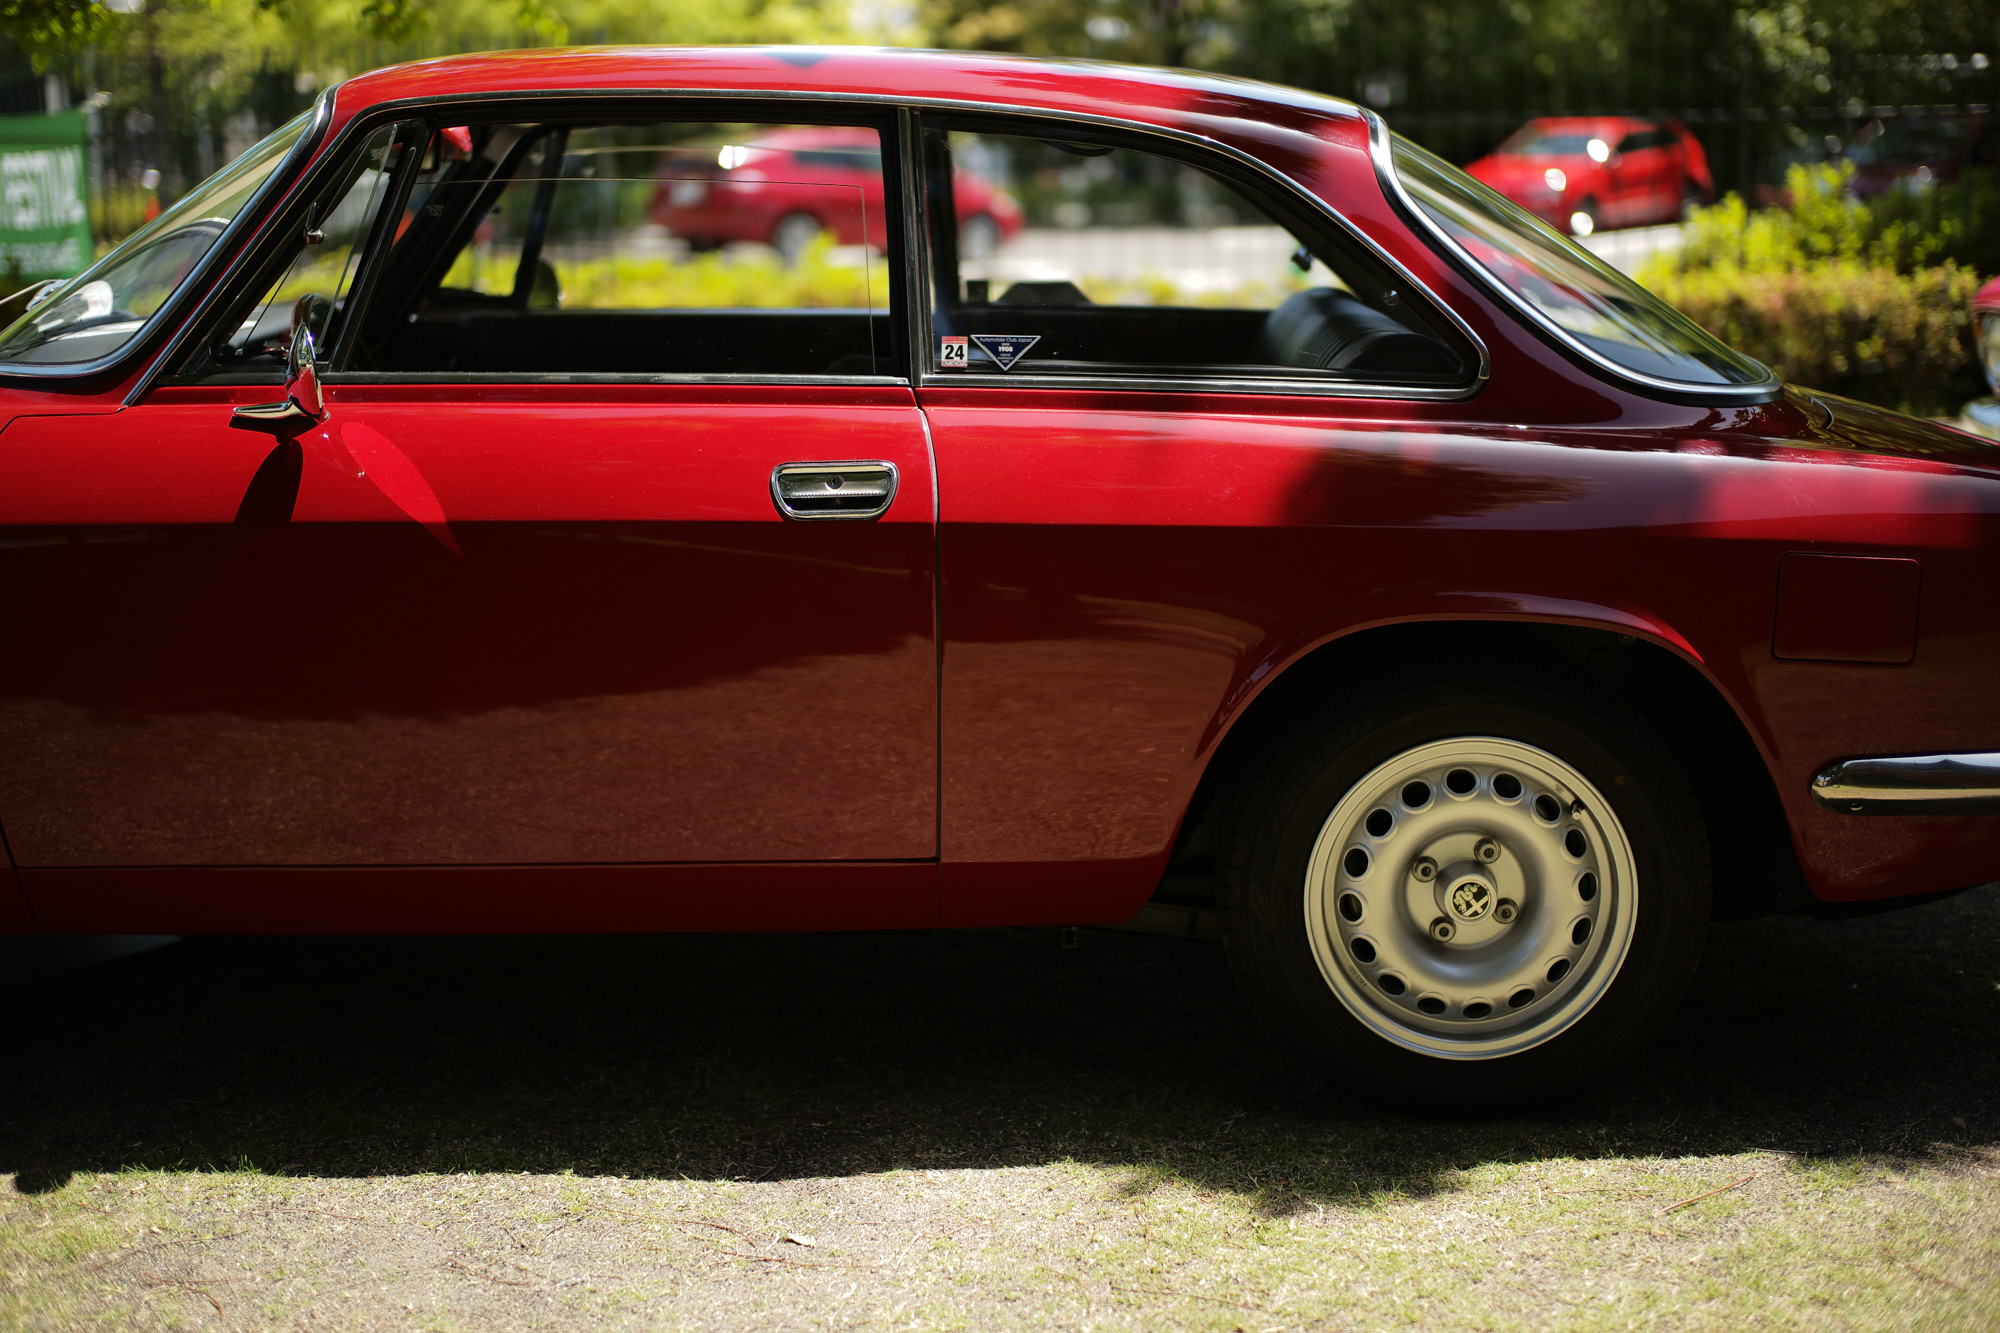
(1005, 348)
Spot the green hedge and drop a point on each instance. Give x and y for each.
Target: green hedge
(1900, 340)
(1864, 299)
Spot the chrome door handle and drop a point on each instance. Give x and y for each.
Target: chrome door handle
(833, 490)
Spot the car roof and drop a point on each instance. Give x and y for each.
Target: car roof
(1178, 99)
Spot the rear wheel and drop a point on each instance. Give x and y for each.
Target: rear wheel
(1483, 891)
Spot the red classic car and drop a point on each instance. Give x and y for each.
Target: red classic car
(786, 188)
(1361, 561)
(1583, 174)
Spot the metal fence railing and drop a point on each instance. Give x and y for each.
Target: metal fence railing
(1449, 82)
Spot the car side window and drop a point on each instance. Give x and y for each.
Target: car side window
(1087, 257)
(1653, 138)
(309, 281)
(649, 250)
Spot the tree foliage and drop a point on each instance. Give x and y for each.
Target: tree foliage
(1468, 72)
(185, 84)
(47, 29)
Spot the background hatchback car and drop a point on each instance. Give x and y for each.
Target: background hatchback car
(1292, 537)
(786, 188)
(1587, 173)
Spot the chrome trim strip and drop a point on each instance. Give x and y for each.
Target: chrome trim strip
(1304, 197)
(916, 248)
(1273, 387)
(1392, 184)
(376, 379)
(1915, 784)
(381, 232)
(252, 215)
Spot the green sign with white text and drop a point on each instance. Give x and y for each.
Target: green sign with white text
(44, 195)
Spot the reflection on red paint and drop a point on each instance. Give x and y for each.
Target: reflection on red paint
(379, 460)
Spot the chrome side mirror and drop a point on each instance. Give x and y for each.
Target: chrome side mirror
(303, 404)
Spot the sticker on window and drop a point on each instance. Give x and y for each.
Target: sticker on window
(1006, 348)
(952, 352)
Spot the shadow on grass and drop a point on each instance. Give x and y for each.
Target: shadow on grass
(763, 1057)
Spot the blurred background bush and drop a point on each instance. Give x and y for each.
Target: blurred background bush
(1868, 298)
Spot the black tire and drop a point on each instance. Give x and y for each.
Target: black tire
(1269, 840)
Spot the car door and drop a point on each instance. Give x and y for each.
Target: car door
(561, 579)
(1139, 406)
(1649, 186)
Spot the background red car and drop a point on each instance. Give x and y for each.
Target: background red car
(1914, 152)
(1586, 173)
(786, 188)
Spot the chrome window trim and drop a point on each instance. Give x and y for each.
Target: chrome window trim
(251, 217)
(921, 351)
(1380, 151)
(1911, 784)
(379, 379)
(1268, 386)
(916, 246)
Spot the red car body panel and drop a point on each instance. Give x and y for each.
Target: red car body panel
(1632, 188)
(591, 660)
(992, 707)
(1148, 605)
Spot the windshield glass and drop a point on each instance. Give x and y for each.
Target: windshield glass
(1592, 304)
(103, 308)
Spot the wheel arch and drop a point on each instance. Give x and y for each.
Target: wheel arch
(1647, 667)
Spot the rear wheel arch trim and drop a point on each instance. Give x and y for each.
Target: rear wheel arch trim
(1502, 611)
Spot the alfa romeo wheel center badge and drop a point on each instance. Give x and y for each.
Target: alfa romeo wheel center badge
(1471, 898)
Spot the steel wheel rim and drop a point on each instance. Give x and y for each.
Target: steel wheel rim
(1539, 923)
